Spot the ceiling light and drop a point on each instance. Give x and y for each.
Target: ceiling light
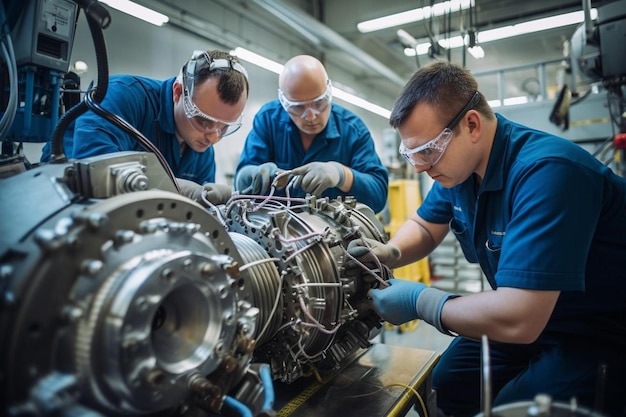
(414, 15)
(277, 68)
(257, 60)
(473, 48)
(524, 28)
(476, 51)
(138, 11)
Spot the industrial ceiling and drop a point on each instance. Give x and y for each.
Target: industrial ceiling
(328, 28)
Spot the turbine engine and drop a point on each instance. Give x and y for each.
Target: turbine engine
(119, 298)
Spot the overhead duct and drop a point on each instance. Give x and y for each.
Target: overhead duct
(298, 19)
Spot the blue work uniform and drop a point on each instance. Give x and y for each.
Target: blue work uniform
(345, 139)
(147, 105)
(546, 216)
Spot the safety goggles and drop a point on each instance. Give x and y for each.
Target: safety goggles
(198, 119)
(302, 108)
(206, 124)
(431, 152)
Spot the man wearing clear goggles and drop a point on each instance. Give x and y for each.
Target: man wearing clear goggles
(182, 116)
(546, 222)
(327, 149)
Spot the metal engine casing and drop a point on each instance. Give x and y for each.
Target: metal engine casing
(122, 299)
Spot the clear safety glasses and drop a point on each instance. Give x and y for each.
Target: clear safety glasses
(302, 108)
(207, 124)
(431, 152)
(199, 120)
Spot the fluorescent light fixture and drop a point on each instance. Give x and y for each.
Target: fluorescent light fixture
(511, 101)
(362, 103)
(476, 51)
(258, 60)
(138, 11)
(277, 68)
(524, 28)
(414, 15)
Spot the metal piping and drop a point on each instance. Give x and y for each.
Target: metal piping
(297, 19)
(588, 21)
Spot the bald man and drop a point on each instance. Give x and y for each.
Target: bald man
(328, 149)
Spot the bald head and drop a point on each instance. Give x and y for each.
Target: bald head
(303, 78)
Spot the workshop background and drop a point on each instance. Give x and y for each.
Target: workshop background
(527, 72)
(520, 74)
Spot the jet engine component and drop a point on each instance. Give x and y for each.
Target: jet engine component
(312, 311)
(121, 299)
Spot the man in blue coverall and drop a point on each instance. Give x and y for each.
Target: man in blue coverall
(328, 148)
(182, 116)
(545, 220)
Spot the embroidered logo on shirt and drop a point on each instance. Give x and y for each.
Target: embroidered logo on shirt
(497, 233)
(457, 208)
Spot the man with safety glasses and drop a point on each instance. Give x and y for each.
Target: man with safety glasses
(327, 149)
(545, 220)
(182, 116)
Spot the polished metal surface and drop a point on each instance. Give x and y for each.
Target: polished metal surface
(118, 298)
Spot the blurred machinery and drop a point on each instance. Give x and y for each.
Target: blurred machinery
(598, 55)
(37, 42)
(121, 299)
(118, 296)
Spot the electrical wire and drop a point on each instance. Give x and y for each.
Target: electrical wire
(268, 385)
(237, 406)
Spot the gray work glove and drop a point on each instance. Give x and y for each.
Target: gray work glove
(366, 250)
(189, 189)
(256, 179)
(316, 177)
(215, 193)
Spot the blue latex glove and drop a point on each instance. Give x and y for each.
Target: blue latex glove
(256, 179)
(397, 303)
(410, 300)
(316, 177)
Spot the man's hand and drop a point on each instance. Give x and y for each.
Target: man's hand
(217, 193)
(404, 301)
(397, 303)
(256, 179)
(190, 189)
(316, 177)
(367, 250)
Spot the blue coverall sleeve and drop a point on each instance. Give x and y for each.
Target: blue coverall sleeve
(93, 135)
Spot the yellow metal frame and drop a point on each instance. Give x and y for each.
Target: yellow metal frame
(404, 198)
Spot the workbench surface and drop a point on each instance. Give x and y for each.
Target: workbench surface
(364, 387)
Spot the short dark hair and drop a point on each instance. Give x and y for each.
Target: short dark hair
(445, 86)
(231, 84)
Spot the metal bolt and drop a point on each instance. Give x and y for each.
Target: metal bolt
(5, 271)
(92, 266)
(155, 377)
(97, 220)
(72, 313)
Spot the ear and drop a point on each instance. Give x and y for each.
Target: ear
(177, 90)
(475, 124)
